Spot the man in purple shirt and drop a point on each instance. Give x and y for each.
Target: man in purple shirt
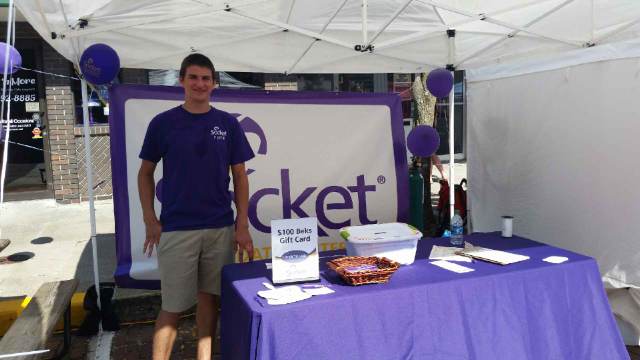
(196, 234)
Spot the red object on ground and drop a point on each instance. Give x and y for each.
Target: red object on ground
(460, 199)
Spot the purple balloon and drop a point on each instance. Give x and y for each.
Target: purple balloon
(440, 82)
(15, 60)
(423, 140)
(99, 64)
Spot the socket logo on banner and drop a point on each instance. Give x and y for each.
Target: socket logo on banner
(293, 205)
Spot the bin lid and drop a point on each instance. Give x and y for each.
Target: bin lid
(379, 233)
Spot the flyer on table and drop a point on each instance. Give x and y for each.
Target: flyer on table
(294, 244)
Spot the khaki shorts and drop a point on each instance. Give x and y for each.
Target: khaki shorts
(191, 262)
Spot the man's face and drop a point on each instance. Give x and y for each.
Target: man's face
(198, 82)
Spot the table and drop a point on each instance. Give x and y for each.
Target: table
(528, 310)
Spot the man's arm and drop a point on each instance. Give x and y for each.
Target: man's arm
(436, 161)
(241, 192)
(146, 188)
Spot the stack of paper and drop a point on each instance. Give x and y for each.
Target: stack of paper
(293, 293)
(447, 253)
(494, 256)
(284, 295)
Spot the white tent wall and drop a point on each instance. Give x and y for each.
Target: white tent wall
(558, 151)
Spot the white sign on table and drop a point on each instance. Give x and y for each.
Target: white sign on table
(294, 256)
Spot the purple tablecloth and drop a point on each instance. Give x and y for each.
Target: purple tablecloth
(528, 310)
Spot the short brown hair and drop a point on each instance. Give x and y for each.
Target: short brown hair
(199, 60)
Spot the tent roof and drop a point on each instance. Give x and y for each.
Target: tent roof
(333, 36)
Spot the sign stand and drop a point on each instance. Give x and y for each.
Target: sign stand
(294, 245)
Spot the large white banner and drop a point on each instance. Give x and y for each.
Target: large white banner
(339, 157)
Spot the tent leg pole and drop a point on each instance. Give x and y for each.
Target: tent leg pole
(89, 170)
(451, 34)
(452, 152)
(5, 76)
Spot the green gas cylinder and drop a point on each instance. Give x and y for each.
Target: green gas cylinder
(416, 198)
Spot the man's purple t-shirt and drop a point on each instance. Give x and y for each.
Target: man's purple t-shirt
(196, 152)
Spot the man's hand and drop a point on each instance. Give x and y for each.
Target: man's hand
(243, 243)
(153, 229)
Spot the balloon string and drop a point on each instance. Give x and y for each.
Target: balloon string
(93, 89)
(39, 149)
(62, 156)
(47, 73)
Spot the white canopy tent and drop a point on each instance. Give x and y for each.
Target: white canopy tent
(500, 44)
(332, 36)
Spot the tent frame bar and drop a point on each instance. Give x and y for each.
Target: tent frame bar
(293, 3)
(515, 32)
(287, 27)
(616, 31)
(326, 25)
(386, 24)
(87, 162)
(364, 23)
(418, 66)
(422, 35)
(5, 76)
(427, 34)
(437, 12)
(205, 46)
(485, 17)
(502, 11)
(44, 18)
(128, 24)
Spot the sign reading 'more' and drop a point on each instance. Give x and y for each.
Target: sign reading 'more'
(338, 157)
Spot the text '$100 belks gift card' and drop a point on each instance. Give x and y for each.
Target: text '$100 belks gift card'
(294, 249)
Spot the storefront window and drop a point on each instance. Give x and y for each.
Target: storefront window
(25, 169)
(316, 82)
(356, 82)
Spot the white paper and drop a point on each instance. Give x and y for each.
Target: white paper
(292, 293)
(452, 267)
(317, 290)
(555, 259)
(268, 265)
(284, 295)
(289, 300)
(498, 256)
(447, 253)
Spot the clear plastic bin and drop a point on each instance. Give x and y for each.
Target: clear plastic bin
(395, 241)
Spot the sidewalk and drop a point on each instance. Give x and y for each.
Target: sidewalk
(58, 237)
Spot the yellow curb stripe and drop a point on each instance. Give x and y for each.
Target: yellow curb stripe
(11, 309)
